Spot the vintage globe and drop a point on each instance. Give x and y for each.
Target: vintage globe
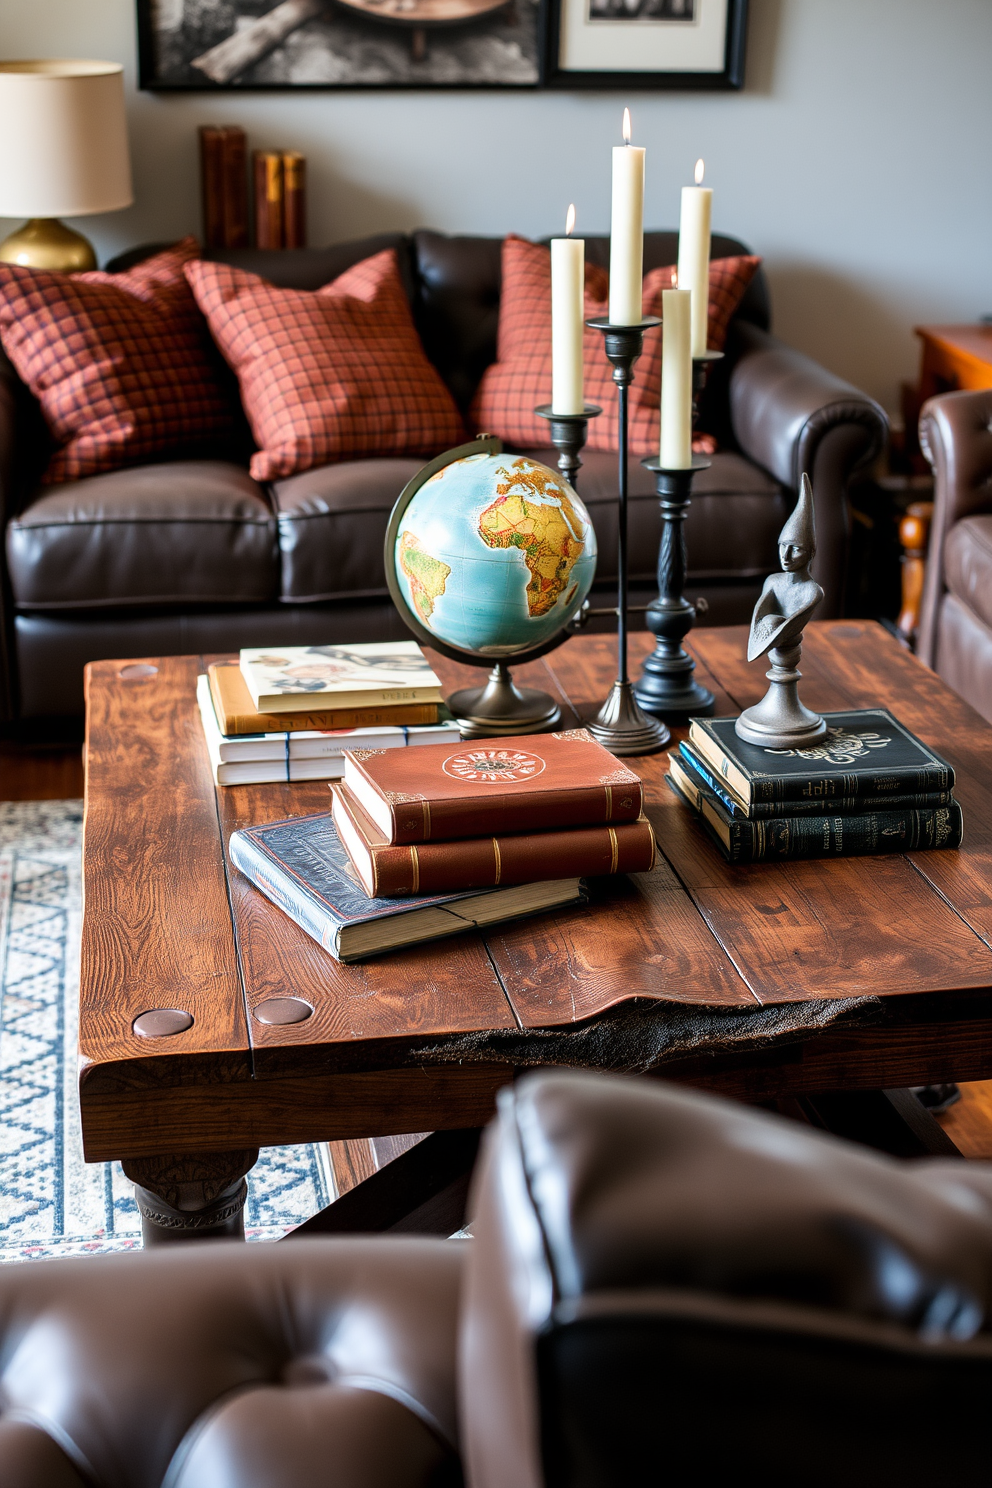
(494, 554)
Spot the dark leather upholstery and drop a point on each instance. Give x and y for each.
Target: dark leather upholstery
(669, 1287)
(188, 533)
(955, 631)
(233, 1366)
(132, 556)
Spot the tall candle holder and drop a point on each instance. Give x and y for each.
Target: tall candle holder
(666, 687)
(620, 726)
(569, 432)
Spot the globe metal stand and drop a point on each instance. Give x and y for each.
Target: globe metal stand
(666, 686)
(620, 726)
(569, 432)
(500, 708)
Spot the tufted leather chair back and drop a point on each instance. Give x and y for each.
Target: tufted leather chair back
(665, 1287)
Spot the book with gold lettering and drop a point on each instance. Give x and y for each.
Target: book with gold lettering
(237, 714)
(528, 784)
(388, 870)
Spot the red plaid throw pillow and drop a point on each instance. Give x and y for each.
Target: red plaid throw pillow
(121, 363)
(328, 375)
(520, 378)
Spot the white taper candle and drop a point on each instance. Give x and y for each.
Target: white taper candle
(694, 255)
(627, 231)
(568, 267)
(676, 380)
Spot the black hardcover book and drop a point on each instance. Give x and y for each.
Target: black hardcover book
(743, 840)
(699, 771)
(865, 753)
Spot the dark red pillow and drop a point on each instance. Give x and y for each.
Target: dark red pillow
(520, 378)
(121, 364)
(329, 375)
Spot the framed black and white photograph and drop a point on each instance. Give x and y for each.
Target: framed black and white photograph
(258, 44)
(690, 44)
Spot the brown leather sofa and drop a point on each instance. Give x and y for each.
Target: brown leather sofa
(955, 630)
(194, 556)
(663, 1287)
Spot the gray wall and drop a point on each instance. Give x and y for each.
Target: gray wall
(857, 160)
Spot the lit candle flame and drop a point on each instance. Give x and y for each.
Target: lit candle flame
(675, 278)
(626, 126)
(570, 220)
(700, 168)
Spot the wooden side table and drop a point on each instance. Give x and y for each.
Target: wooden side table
(954, 357)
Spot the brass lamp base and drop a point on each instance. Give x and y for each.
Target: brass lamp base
(501, 709)
(46, 243)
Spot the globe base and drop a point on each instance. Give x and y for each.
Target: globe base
(501, 709)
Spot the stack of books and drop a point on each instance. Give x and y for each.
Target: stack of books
(279, 178)
(870, 787)
(224, 185)
(432, 841)
(291, 714)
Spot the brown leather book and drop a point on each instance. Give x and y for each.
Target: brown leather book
(212, 184)
(525, 784)
(235, 187)
(267, 174)
(294, 209)
(237, 715)
(388, 871)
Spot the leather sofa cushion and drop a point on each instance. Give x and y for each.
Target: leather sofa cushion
(731, 531)
(968, 564)
(332, 522)
(194, 532)
(964, 654)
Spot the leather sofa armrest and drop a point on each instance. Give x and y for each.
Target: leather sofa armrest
(956, 437)
(791, 415)
(8, 481)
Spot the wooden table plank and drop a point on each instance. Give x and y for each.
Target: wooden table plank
(150, 833)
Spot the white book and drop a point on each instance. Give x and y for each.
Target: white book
(363, 675)
(258, 759)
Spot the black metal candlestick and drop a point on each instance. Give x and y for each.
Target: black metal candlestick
(620, 726)
(666, 687)
(568, 435)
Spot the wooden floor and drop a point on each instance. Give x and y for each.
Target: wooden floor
(55, 772)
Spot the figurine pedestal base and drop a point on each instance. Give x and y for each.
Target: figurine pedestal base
(780, 720)
(502, 709)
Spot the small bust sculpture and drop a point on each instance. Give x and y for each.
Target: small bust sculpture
(788, 599)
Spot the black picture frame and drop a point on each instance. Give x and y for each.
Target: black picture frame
(554, 76)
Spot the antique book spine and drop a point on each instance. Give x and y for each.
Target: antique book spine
(235, 187)
(835, 836)
(294, 187)
(845, 805)
(389, 871)
(212, 184)
(268, 199)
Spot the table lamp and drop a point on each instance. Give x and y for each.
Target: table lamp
(63, 152)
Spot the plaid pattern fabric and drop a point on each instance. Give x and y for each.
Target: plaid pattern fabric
(121, 363)
(329, 375)
(520, 378)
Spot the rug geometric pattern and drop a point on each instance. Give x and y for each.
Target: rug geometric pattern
(52, 1203)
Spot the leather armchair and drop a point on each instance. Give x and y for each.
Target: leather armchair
(662, 1286)
(955, 628)
(194, 556)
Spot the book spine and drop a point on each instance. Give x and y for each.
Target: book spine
(491, 862)
(838, 836)
(235, 188)
(212, 184)
(819, 807)
(447, 818)
(284, 891)
(881, 784)
(294, 184)
(268, 199)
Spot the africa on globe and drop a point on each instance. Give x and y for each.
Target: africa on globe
(494, 554)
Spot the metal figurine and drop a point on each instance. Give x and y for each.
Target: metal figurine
(788, 599)
(620, 726)
(568, 435)
(666, 686)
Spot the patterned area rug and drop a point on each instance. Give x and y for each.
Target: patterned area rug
(52, 1203)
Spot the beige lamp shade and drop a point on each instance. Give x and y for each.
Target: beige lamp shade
(63, 139)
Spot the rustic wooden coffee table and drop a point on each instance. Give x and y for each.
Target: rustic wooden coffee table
(399, 1044)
